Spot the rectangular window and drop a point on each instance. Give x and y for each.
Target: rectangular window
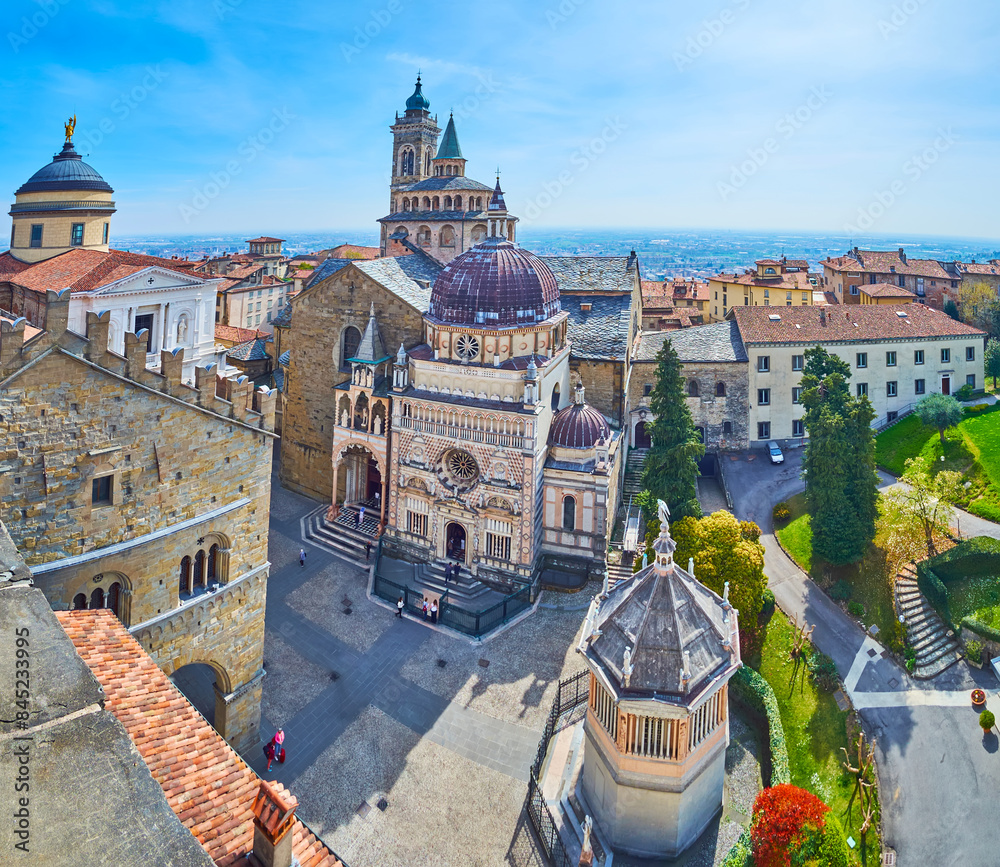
(76, 239)
(890, 359)
(497, 547)
(763, 363)
(854, 290)
(970, 353)
(767, 293)
(945, 356)
(764, 396)
(918, 356)
(970, 380)
(805, 297)
(763, 430)
(919, 386)
(798, 428)
(902, 281)
(100, 494)
(416, 523)
(788, 296)
(36, 235)
(257, 320)
(145, 321)
(797, 395)
(647, 389)
(107, 233)
(862, 389)
(862, 360)
(798, 362)
(890, 389)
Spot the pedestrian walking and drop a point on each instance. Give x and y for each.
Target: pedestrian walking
(434, 611)
(361, 517)
(425, 608)
(302, 556)
(275, 751)
(378, 499)
(399, 608)
(368, 551)
(447, 573)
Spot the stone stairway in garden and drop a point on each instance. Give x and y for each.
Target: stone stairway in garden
(935, 643)
(633, 473)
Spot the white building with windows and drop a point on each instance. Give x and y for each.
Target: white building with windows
(897, 355)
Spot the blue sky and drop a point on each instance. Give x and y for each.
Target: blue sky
(245, 116)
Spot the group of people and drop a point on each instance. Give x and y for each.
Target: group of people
(431, 609)
(451, 572)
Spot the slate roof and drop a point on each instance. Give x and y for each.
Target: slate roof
(252, 350)
(278, 378)
(591, 273)
(716, 342)
(328, 269)
(285, 357)
(208, 785)
(411, 216)
(445, 182)
(846, 324)
(450, 149)
(603, 332)
(407, 277)
(284, 318)
(371, 349)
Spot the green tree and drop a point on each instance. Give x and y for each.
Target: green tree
(991, 360)
(951, 308)
(725, 549)
(918, 512)
(670, 472)
(941, 411)
(841, 484)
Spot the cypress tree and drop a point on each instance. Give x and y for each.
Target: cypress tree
(670, 472)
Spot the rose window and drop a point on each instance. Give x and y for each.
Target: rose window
(467, 347)
(462, 466)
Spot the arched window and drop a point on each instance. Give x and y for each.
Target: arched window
(436, 204)
(407, 163)
(97, 599)
(770, 272)
(427, 203)
(720, 389)
(213, 556)
(701, 434)
(427, 163)
(199, 569)
(114, 598)
(458, 203)
(555, 397)
(569, 513)
(692, 388)
(447, 236)
(424, 236)
(478, 233)
(349, 343)
(447, 203)
(185, 582)
(406, 204)
(479, 203)
(80, 602)
(727, 428)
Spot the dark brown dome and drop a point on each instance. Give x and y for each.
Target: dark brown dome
(578, 426)
(496, 284)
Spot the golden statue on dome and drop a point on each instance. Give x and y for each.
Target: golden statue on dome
(70, 126)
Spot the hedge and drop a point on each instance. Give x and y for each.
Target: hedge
(981, 629)
(741, 855)
(977, 556)
(750, 688)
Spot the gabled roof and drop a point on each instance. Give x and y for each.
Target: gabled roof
(407, 277)
(591, 273)
(208, 785)
(236, 335)
(450, 148)
(603, 332)
(716, 342)
(284, 318)
(885, 290)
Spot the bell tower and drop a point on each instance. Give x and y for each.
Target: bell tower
(414, 142)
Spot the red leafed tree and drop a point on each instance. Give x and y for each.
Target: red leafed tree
(784, 818)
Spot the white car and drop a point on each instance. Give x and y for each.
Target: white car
(776, 456)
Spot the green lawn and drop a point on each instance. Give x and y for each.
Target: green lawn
(978, 598)
(867, 581)
(815, 730)
(972, 448)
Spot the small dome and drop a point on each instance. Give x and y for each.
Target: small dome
(578, 426)
(418, 101)
(67, 171)
(496, 284)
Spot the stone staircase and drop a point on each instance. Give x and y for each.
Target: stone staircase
(935, 644)
(464, 591)
(343, 537)
(633, 473)
(619, 573)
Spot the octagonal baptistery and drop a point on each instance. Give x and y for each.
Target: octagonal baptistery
(661, 649)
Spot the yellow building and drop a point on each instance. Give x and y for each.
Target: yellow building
(771, 283)
(885, 293)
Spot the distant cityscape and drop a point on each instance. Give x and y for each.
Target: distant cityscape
(662, 252)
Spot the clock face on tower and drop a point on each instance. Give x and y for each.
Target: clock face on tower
(467, 347)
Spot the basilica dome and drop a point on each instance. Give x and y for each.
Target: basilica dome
(496, 284)
(578, 426)
(67, 171)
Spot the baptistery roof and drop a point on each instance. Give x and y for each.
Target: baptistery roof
(578, 426)
(496, 284)
(67, 171)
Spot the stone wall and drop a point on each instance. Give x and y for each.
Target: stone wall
(319, 316)
(604, 382)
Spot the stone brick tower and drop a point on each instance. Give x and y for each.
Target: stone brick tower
(414, 141)
(661, 650)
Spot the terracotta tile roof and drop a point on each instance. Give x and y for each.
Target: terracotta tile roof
(846, 323)
(10, 265)
(794, 280)
(244, 272)
(885, 290)
(991, 267)
(887, 262)
(86, 270)
(29, 330)
(265, 240)
(237, 335)
(352, 251)
(207, 784)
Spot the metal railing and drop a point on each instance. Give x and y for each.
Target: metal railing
(477, 435)
(901, 413)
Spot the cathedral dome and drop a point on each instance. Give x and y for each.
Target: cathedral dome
(418, 101)
(578, 426)
(496, 284)
(67, 171)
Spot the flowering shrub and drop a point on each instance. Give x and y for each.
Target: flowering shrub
(781, 512)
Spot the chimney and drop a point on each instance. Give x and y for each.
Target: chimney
(273, 821)
(822, 316)
(902, 255)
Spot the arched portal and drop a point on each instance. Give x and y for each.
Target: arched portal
(642, 437)
(455, 542)
(198, 681)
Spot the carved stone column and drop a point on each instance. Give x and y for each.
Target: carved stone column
(222, 565)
